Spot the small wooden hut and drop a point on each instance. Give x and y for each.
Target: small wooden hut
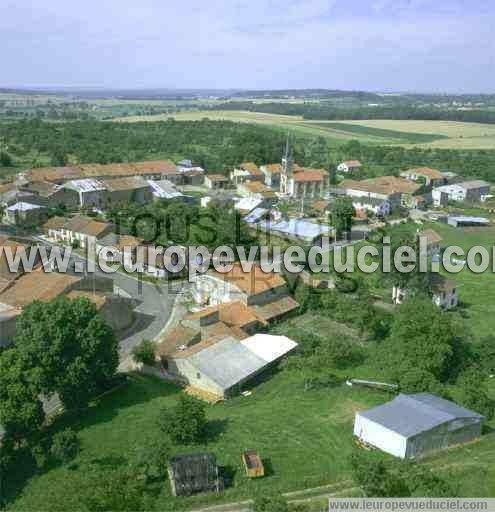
(195, 472)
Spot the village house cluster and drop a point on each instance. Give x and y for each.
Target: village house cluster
(217, 343)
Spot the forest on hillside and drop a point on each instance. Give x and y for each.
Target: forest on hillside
(216, 145)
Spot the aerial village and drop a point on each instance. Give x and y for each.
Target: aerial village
(216, 336)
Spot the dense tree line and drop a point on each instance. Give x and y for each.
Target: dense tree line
(218, 146)
(330, 112)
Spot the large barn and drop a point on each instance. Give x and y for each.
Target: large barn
(412, 425)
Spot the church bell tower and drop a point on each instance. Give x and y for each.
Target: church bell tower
(287, 168)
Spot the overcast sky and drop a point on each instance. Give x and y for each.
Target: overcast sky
(401, 45)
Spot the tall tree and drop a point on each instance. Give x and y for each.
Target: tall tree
(72, 349)
(341, 214)
(422, 339)
(186, 422)
(21, 411)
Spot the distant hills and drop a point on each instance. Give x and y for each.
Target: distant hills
(233, 94)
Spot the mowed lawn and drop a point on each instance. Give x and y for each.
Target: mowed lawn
(304, 437)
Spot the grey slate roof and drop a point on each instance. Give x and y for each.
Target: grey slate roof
(227, 362)
(409, 415)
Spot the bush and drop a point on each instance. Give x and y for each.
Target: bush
(186, 422)
(65, 445)
(473, 394)
(346, 284)
(144, 353)
(151, 459)
(374, 478)
(6, 160)
(39, 455)
(276, 503)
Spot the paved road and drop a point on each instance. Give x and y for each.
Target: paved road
(154, 302)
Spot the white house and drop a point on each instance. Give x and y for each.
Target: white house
(433, 240)
(216, 181)
(430, 176)
(410, 426)
(256, 190)
(444, 292)
(247, 171)
(471, 191)
(380, 207)
(81, 230)
(349, 166)
(385, 188)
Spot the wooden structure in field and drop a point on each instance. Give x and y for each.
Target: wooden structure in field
(253, 464)
(192, 473)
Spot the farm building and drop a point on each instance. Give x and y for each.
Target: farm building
(465, 220)
(89, 192)
(25, 213)
(192, 473)
(220, 364)
(444, 292)
(413, 425)
(470, 191)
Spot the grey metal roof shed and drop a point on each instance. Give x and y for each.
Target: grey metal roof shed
(411, 425)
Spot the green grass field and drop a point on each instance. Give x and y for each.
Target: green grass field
(303, 437)
(434, 134)
(476, 291)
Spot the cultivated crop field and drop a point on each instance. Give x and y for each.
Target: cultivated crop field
(435, 134)
(452, 134)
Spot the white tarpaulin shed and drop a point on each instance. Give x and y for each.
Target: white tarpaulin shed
(268, 347)
(411, 425)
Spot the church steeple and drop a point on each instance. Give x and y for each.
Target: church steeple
(287, 167)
